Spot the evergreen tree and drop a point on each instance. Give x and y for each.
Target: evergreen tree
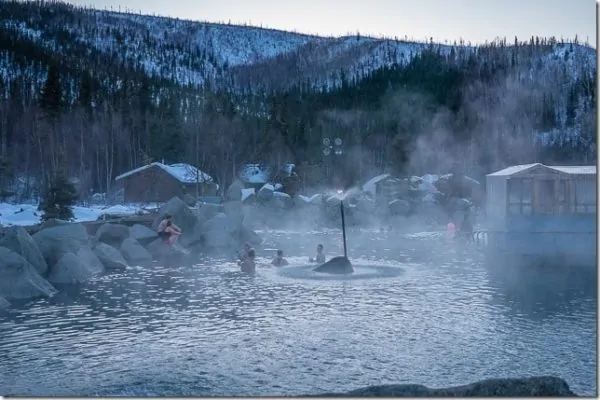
(59, 199)
(571, 106)
(51, 99)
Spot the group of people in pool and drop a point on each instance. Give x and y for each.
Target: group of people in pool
(169, 233)
(247, 258)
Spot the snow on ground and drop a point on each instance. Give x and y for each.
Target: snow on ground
(28, 214)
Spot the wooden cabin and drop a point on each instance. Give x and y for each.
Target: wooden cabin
(157, 182)
(543, 212)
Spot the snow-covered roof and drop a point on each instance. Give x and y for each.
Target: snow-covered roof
(255, 173)
(184, 173)
(288, 168)
(574, 170)
(513, 169)
(369, 185)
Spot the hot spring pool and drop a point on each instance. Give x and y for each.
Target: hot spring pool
(415, 311)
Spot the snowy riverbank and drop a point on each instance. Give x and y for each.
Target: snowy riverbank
(28, 214)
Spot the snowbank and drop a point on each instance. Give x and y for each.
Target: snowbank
(28, 214)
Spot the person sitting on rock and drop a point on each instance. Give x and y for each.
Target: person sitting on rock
(248, 265)
(279, 261)
(320, 257)
(168, 235)
(163, 224)
(173, 232)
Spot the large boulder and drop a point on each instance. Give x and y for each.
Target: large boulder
(19, 279)
(4, 303)
(18, 240)
(182, 215)
(158, 249)
(281, 200)
(58, 240)
(191, 237)
(110, 257)
(76, 264)
(52, 222)
(134, 252)
(234, 191)
(112, 234)
(207, 210)
(235, 210)
(399, 207)
(87, 255)
(189, 200)
(248, 235)
(542, 386)
(249, 196)
(70, 268)
(176, 253)
(221, 232)
(142, 234)
(265, 193)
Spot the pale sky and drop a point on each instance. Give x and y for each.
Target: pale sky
(473, 20)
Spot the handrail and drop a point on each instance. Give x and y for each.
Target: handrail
(528, 232)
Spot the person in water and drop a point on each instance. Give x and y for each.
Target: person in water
(320, 257)
(244, 253)
(248, 265)
(451, 230)
(167, 234)
(466, 228)
(279, 261)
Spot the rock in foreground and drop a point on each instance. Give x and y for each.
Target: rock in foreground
(541, 386)
(19, 279)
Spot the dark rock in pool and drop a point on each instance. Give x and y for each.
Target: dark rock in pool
(541, 386)
(337, 265)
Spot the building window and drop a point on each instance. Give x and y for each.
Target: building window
(583, 196)
(520, 196)
(562, 197)
(527, 197)
(545, 199)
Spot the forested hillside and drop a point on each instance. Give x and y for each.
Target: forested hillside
(97, 93)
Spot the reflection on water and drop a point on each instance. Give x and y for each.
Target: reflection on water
(428, 313)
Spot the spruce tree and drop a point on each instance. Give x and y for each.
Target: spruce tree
(59, 199)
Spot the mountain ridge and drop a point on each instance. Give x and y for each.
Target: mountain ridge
(199, 53)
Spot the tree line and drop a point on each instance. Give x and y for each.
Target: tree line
(92, 116)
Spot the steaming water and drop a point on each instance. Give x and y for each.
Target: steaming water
(417, 312)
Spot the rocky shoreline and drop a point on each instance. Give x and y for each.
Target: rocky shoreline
(60, 252)
(539, 386)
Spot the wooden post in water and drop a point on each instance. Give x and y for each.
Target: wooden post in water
(343, 228)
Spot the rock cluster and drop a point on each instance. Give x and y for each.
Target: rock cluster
(64, 253)
(540, 386)
(431, 199)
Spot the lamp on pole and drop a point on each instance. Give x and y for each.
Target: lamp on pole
(332, 148)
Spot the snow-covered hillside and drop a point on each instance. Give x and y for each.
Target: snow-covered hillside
(195, 53)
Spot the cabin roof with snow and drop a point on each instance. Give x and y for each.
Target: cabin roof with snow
(369, 186)
(255, 173)
(259, 173)
(184, 173)
(570, 170)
